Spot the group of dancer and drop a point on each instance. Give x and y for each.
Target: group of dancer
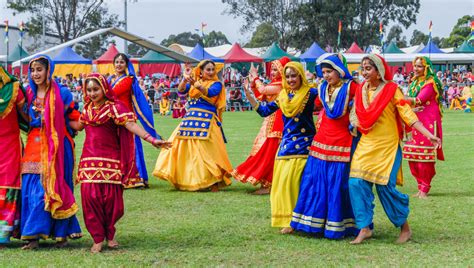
(319, 175)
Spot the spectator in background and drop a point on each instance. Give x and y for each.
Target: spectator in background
(151, 94)
(398, 77)
(244, 72)
(236, 97)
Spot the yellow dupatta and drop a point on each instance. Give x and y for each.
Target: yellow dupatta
(218, 101)
(294, 106)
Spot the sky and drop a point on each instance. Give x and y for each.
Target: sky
(157, 19)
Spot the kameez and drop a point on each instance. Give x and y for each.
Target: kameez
(12, 96)
(298, 132)
(129, 93)
(198, 158)
(323, 203)
(258, 167)
(106, 163)
(377, 157)
(419, 151)
(48, 206)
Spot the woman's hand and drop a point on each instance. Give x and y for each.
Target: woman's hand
(246, 85)
(162, 144)
(198, 85)
(435, 141)
(253, 72)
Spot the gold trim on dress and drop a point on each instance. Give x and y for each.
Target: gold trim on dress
(334, 158)
(334, 148)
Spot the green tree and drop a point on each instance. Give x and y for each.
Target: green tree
(67, 20)
(136, 51)
(186, 39)
(461, 32)
(263, 36)
(418, 37)
(395, 34)
(298, 23)
(214, 38)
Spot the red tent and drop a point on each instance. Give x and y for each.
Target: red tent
(105, 62)
(354, 49)
(237, 54)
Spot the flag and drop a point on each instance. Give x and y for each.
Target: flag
(339, 30)
(6, 31)
(381, 35)
(203, 25)
(472, 32)
(22, 28)
(430, 28)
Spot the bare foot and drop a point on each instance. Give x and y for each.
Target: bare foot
(405, 234)
(96, 248)
(287, 230)
(423, 195)
(113, 244)
(31, 245)
(365, 233)
(61, 244)
(262, 191)
(417, 194)
(215, 188)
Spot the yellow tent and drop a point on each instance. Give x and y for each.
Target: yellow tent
(69, 62)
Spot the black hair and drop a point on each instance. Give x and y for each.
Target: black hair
(371, 62)
(206, 63)
(326, 65)
(124, 57)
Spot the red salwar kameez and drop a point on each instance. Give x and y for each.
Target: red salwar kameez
(12, 97)
(258, 167)
(106, 163)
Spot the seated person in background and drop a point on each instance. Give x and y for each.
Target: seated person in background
(236, 96)
(165, 104)
(151, 94)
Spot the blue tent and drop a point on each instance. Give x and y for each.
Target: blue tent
(199, 53)
(313, 53)
(67, 55)
(431, 48)
(69, 62)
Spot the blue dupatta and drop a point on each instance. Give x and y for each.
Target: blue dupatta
(338, 63)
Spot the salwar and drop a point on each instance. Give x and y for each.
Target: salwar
(394, 203)
(285, 188)
(323, 203)
(423, 173)
(102, 204)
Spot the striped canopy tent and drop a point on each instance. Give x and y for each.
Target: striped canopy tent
(105, 63)
(17, 54)
(354, 48)
(200, 53)
(69, 62)
(275, 52)
(153, 62)
(465, 47)
(431, 48)
(392, 48)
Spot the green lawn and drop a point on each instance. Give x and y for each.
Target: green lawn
(162, 226)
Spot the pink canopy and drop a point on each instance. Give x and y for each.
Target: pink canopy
(354, 49)
(237, 54)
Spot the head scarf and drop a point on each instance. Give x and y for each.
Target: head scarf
(338, 63)
(279, 64)
(292, 106)
(9, 87)
(382, 67)
(59, 199)
(218, 101)
(428, 77)
(104, 85)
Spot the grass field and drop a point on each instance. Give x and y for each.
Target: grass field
(164, 227)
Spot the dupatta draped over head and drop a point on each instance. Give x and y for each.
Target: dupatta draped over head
(429, 77)
(338, 63)
(292, 106)
(218, 101)
(368, 114)
(59, 199)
